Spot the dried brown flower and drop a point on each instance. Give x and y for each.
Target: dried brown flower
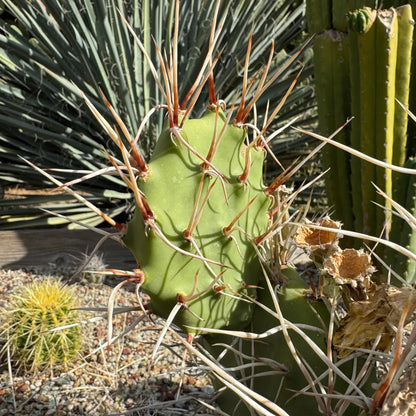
(308, 237)
(376, 317)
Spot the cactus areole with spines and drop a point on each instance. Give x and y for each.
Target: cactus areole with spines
(206, 193)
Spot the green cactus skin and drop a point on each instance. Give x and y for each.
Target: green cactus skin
(278, 388)
(403, 67)
(170, 189)
(298, 308)
(323, 51)
(411, 128)
(355, 128)
(318, 17)
(367, 88)
(342, 172)
(333, 14)
(332, 81)
(379, 73)
(360, 20)
(385, 72)
(373, 42)
(341, 10)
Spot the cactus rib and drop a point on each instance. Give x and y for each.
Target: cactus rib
(332, 79)
(403, 66)
(319, 16)
(385, 73)
(355, 129)
(366, 45)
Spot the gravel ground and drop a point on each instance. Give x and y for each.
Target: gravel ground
(119, 381)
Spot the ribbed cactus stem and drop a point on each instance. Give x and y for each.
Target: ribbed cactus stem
(332, 91)
(324, 83)
(359, 22)
(411, 128)
(362, 22)
(318, 16)
(355, 128)
(342, 173)
(342, 8)
(401, 232)
(403, 66)
(385, 73)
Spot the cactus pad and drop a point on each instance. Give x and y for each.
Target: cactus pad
(208, 210)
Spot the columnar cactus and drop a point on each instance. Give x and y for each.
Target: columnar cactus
(404, 233)
(378, 48)
(331, 68)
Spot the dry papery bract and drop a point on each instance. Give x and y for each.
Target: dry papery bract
(377, 317)
(349, 266)
(313, 239)
(318, 244)
(351, 270)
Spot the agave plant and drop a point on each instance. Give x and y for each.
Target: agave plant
(51, 50)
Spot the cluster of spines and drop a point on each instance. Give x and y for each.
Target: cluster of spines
(42, 325)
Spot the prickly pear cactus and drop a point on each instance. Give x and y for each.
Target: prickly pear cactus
(209, 239)
(208, 200)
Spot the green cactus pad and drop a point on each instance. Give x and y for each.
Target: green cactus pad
(171, 189)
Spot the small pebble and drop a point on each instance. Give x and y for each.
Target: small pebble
(43, 398)
(23, 387)
(62, 381)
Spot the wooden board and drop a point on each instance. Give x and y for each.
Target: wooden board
(34, 249)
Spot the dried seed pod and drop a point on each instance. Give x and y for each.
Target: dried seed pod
(307, 237)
